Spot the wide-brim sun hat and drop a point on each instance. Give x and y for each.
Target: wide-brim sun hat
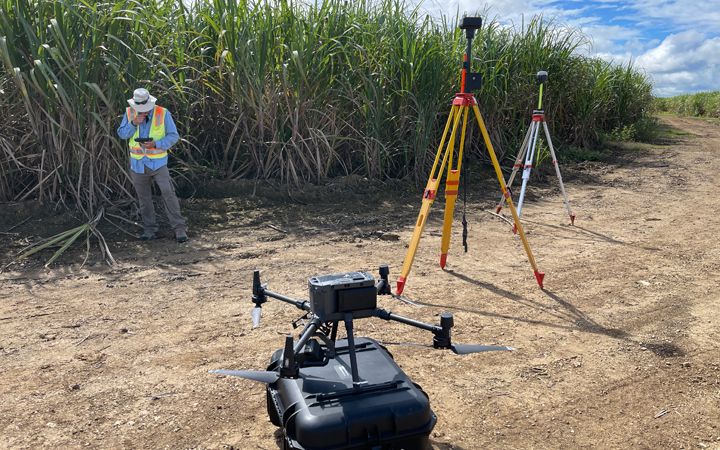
(142, 101)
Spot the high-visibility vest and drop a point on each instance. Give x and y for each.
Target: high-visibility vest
(157, 132)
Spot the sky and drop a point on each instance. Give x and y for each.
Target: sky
(676, 42)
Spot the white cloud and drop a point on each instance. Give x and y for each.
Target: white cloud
(676, 42)
(680, 14)
(684, 62)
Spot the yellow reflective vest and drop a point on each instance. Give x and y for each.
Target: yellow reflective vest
(157, 132)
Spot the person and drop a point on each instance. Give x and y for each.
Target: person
(144, 119)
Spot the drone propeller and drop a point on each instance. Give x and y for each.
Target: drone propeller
(459, 349)
(262, 376)
(256, 315)
(466, 349)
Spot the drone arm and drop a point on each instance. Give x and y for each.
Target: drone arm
(307, 333)
(441, 334)
(387, 315)
(260, 295)
(300, 304)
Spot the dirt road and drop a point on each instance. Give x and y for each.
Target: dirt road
(620, 351)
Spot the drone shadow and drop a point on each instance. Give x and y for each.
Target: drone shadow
(576, 319)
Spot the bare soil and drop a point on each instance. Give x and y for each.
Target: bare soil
(619, 351)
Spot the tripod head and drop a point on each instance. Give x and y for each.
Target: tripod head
(542, 77)
(469, 81)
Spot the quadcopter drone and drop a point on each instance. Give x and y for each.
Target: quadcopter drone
(330, 393)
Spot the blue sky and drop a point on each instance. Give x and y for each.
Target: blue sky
(676, 42)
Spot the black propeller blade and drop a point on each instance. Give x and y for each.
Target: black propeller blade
(458, 349)
(466, 349)
(262, 376)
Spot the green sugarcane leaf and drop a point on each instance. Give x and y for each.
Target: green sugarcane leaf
(68, 243)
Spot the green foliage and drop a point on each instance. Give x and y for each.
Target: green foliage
(702, 104)
(276, 89)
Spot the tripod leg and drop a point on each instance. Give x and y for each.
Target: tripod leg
(557, 171)
(528, 166)
(539, 276)
(429, 195)
(452, 182)
(518, 164)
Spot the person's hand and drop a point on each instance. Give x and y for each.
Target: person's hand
(147, 145)
(139, 118)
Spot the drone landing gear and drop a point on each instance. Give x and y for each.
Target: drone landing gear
(326, 392)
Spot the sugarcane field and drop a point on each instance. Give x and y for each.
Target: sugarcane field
(382, 224)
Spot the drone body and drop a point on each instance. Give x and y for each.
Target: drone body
(329, 393)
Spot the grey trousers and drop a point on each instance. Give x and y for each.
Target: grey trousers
(143, 187)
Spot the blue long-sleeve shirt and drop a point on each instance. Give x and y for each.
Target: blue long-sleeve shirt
(127, 130)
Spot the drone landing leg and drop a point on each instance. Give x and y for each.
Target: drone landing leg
(357, 382)
(333, 332)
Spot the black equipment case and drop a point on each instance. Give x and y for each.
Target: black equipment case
(321, 409)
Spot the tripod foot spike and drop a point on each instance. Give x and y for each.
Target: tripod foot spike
(400, 285)
(514, 229)
(498, 209)
(539, 276)
(572, 219)
(443, 260)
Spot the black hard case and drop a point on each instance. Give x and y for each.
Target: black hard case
(320, 409)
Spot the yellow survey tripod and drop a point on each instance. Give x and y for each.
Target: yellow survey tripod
(464, 100)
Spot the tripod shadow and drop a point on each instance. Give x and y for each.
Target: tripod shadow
(591, 233)
(568, 314)
(575, 319)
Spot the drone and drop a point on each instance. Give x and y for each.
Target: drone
(330, 393)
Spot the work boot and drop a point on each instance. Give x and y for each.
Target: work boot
(147, 236)
(181, 236)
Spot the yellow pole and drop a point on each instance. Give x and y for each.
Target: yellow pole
(496, 165)
(429, 195)
(452, 183)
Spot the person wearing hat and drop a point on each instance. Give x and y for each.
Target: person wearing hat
(151, 132)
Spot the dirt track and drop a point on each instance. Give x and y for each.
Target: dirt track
(620, 351)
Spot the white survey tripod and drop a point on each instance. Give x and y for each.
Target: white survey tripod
(527, 154)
